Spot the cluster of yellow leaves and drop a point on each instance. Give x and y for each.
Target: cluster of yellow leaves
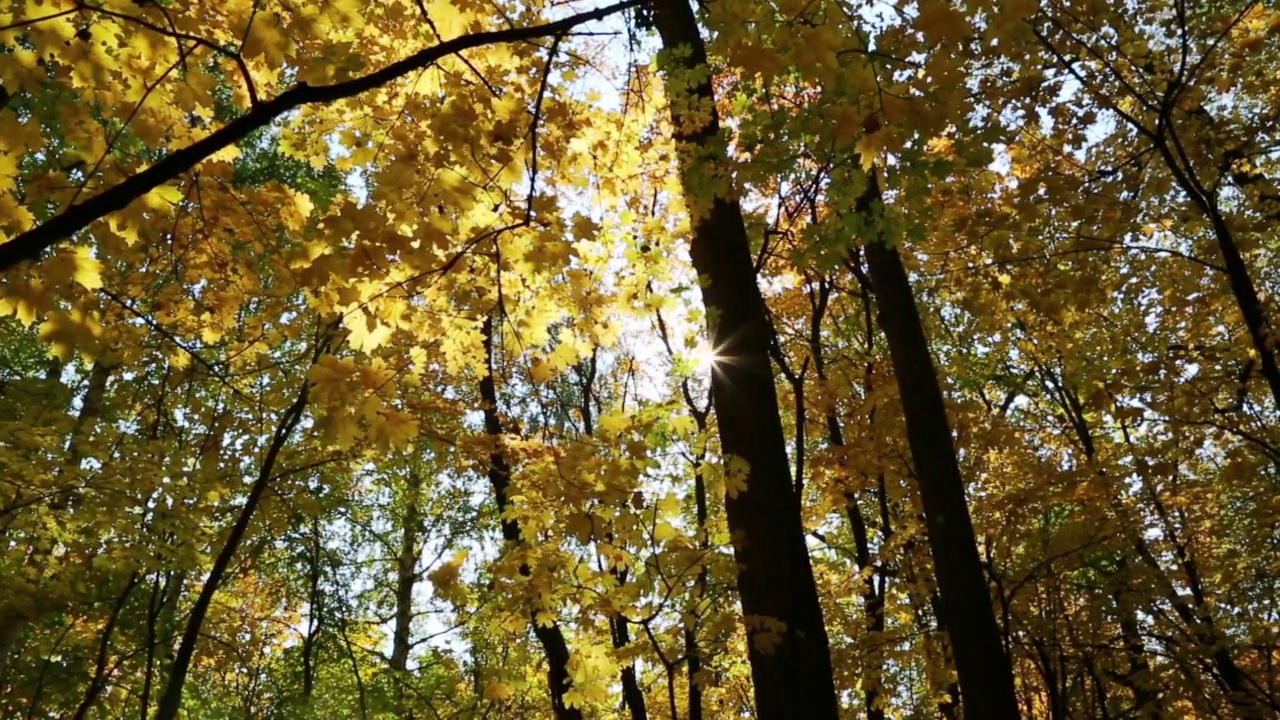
(446, 579)
(337, 382)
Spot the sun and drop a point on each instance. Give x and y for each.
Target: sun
(705, 357)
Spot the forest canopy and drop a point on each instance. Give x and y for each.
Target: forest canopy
(407, 359)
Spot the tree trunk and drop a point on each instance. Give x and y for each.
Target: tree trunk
(314, 614)
(984, 670)
(406, 575)
(101, 673)
(790, 662)
(171, 701)
(872, 594)
(549, 635)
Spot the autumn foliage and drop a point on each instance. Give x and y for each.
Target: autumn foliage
(452, 359)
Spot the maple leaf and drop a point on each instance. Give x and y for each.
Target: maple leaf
(331, 377)
(392, 429)
(446, 579)
(541, 370)
(69, 332)
(497, 691)
(26, 300)
(682, 424)
(613, 424)
(74, 264)
(735, 477)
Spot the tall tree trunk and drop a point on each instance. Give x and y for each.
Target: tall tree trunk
(693, 653)
(792, 676)
(619, 627)
(101, 673)
(162, 624)
(406, 575)
(632, 695)
(549, 635)
(871, 592)
(692, 649)
(171, 701)
(315, 612)
(406, 580)
(984, 670)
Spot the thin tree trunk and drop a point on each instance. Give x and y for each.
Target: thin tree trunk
(984, 670)
(162, 612)
(406, 580)
(1238, 276)
(692, 649)
(100, 672)
(355, 667)
(788, 647)
(872, 595)
(619, 627)
(549, 635)
(1147, 704)
(171, 700)
(314, 615)
(406, 575)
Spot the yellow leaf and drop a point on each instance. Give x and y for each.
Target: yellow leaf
(267, 39)
(366, 333)
(8, 171)
(683, 424)
(446, 579)
(16, 216)
(541, 370)
(163, 196)
(612, 424)
(869, 147)
(67, 332)
(497, 691)
(210, 334)
(75, 264)
(392, 429)
(341, 427)
(25, 300)
(766, 633)
(584, 228)
(735, 476)
(664, 531)
(226, 154)
(302, 201)
(123, 229)
(580, 526)
(331, 378)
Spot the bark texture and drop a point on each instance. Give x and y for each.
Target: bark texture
(789, 653)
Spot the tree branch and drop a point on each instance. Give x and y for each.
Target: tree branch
(29, 245)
